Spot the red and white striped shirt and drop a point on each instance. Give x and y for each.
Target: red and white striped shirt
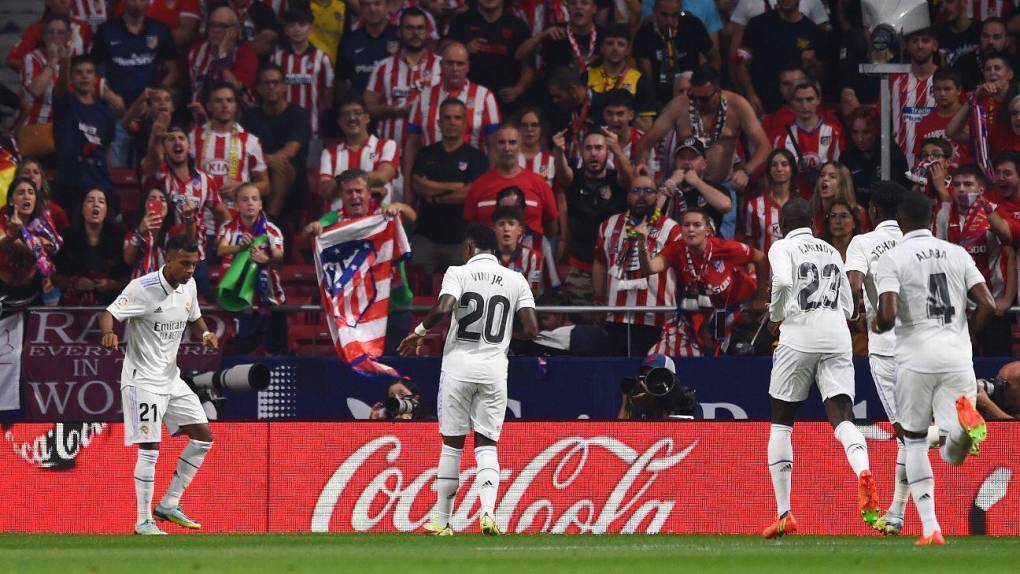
(482, 113)
(399, 83)
(91, 11)
(233, 231)
(623, 269)
(40, 110)
(984, 9)
(200, 190)
(815, 147)
(912, 100)
(533, 14)
(232, 156)
(762, 220)
(308, 76)
(527, 262)
(541, 163)
(339, 158)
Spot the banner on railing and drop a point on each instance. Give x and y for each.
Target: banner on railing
(569, 477)
(67, 375)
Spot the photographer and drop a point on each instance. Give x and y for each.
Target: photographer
(655, 393)
(999, 398)
(403, 402)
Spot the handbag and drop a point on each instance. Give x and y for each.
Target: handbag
(36, 140)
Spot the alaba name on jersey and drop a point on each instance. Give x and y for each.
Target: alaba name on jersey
(156, 316)
(810, 294)
(488, 298)
(931, 278)
(862, 255)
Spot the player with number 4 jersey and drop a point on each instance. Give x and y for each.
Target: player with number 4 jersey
(157, 308)
(811, 299)
(923, 287)
(482, 298)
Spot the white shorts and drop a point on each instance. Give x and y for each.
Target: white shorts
(793, 373)
(883, 372)
(144, 411)
(921, 396)
(465, 406)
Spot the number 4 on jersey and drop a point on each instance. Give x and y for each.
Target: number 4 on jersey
(939, 305)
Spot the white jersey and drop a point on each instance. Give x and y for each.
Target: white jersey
(810, 294)
(488, 297)
(932, 278)
(156, 316)
(862, 255)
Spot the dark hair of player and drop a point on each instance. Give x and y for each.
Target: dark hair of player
(705, 75)
(944, 145)
(481, 236)
(914, 211)
(565, 78)
(1006, 157)
(947, 75)
(796, 214)
(182, 243)
(973, 171)
(502, 213)
(618, 97)
(885, 197)
(512, 190)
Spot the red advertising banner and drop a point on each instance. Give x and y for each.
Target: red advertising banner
(571, 477)
(66, 374)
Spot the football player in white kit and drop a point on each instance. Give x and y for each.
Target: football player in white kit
(861, 258)
(483, 298)
(157, 307)
(811, 298)
(923, 286)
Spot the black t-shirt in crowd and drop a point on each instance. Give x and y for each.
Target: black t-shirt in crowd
(589, 203)
(102, 261)
(82, 133)
(445, 223)
(493, 65)
(274, 132)
(560, 53)
(776, 44)
(259, 17)
(689, 43)
(692, 198)
(359, 52)
(953, 45)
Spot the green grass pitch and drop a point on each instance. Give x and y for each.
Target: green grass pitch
(415, 554)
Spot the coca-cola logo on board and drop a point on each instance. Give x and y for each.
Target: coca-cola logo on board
(559, 490)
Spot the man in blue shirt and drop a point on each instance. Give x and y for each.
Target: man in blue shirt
(83, 127)
(135, 52)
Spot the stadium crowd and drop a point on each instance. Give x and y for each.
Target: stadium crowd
(566, 124)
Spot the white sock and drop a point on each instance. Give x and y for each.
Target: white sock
(488, 477)
(902, 491)
(957, 446)
(187, 466)
(145, 482)
(922, 483)
(781, 465)
(854, 445)
(447, 482)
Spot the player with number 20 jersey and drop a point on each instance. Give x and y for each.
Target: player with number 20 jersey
(482, 298)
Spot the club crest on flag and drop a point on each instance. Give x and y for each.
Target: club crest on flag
(343, 264)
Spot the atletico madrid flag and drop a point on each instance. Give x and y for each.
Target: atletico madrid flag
(355, 260)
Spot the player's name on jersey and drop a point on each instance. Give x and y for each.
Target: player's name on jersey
(492, 279)
(809, 247)
(881, 248)
(930, 253)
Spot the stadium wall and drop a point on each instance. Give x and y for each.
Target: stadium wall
(562, 477)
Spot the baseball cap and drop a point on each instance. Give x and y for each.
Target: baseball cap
(692, 143)
(659, 361)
